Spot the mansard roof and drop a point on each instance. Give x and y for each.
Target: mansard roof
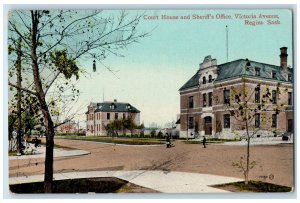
(239, 68)
(114, 107)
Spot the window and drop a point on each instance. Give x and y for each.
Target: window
(290, 98)
(209, 78)
(204, 80)
(226, 120)
(191, 122)
(204, 100)
(108, 116)
(124, 115)
(257, 71)
(274, 121)
(191, 102)
(210, 99)
(116, 116)
(274, 74)
(257, 95)
(257, 120)
(289, 77)
(274, 97)
(226, 96)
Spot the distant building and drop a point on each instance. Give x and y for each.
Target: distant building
(203, 98)
(70, 127)
(101, 114)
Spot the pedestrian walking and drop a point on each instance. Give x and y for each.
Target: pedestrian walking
(204, 141)
(168, 141)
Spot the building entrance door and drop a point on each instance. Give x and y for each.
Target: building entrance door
(290, 125)
(208, 125)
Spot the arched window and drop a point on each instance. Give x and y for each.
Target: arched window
(209, 78)
(204, 80)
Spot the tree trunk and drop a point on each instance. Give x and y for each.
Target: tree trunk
(248, 157)
(248, 137)
(19, 114)
(48, 176)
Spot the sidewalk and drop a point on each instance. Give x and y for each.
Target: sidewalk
(161, 181)
(256, 141)
(39, 152)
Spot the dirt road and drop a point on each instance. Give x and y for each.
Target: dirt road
(274, 163)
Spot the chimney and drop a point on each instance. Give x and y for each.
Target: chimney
(283, 57)
(115, 100)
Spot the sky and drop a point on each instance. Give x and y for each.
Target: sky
(153, 70)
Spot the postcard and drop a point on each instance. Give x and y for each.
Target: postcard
(150, 101)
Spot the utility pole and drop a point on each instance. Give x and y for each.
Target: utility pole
(19, 113)
(227, 42)
(78, 127)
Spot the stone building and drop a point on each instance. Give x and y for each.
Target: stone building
(205, 98)
(100, 114)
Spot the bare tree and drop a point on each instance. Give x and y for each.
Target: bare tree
(54, 41)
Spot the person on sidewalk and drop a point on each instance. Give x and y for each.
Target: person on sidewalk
(204, 141)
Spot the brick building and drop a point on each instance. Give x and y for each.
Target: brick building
(70, 127)
(205, 98)
(100, 114)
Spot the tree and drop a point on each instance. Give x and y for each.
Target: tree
(28, 119)
(54, 41)
(115, 126)
(251, 107)
(153, 133)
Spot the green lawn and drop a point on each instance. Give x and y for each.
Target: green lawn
(117, 140)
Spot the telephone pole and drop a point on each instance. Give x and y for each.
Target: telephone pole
(227, 42)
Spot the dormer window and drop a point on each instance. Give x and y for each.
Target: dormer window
(112, 106)
(209, 79)
(274, 74)
(204, 80)
(128, 107)
(257, 71)
(289, 77)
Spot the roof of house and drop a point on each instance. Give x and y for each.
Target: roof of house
(114, 107)
(193, 82)
(238, 68)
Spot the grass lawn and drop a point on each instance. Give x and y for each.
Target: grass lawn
(253, 186)
(117, 140)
